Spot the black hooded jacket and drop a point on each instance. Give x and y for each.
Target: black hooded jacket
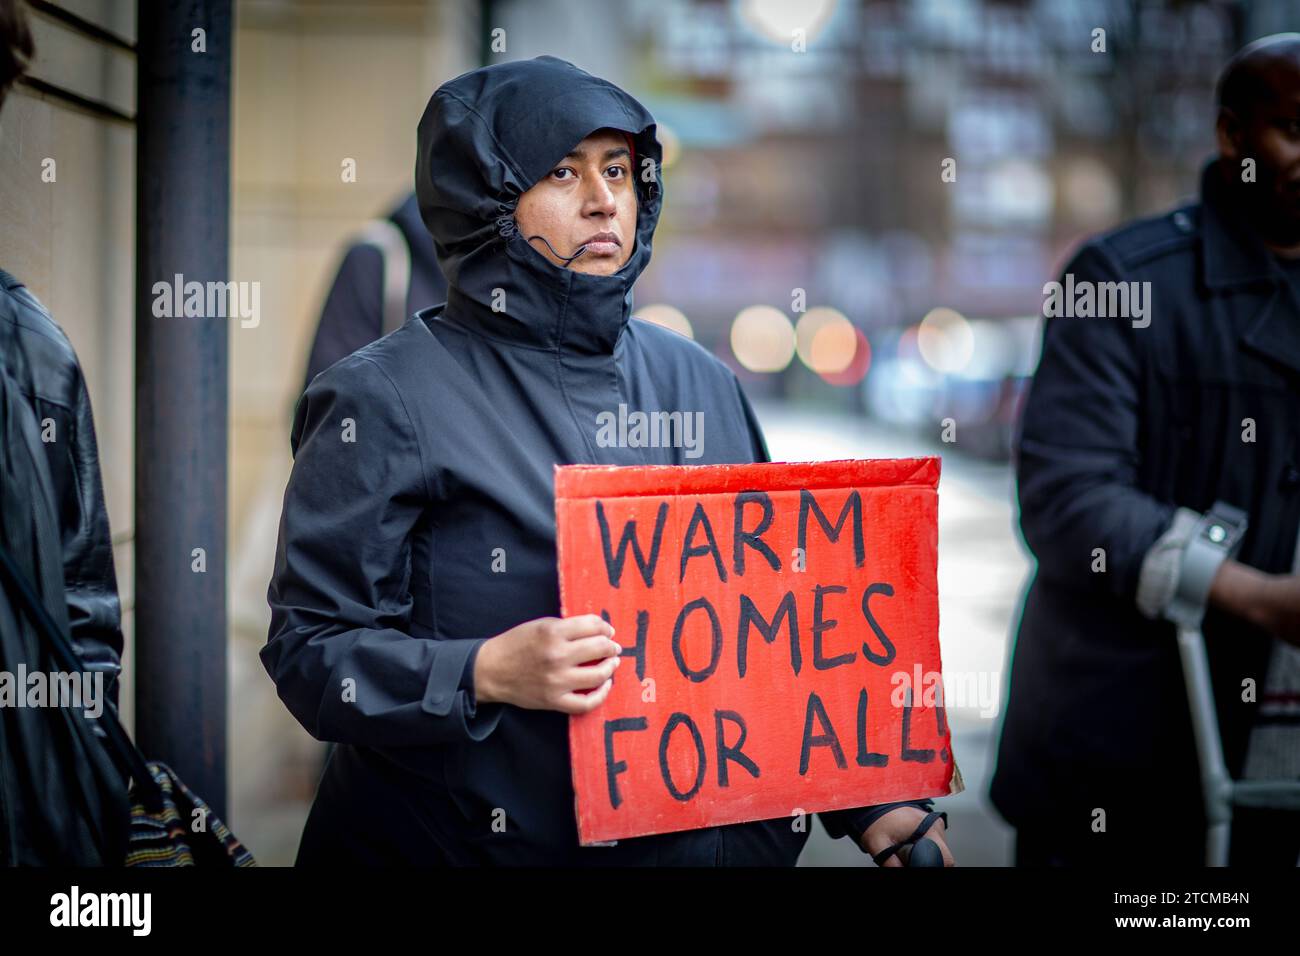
(426, 456)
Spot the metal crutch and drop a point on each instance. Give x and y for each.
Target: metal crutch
(1220, 792)
(1217, 536)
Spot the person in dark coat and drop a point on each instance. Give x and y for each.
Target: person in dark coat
(1136, 428)
(50, 378)
(62, 801)
(40, 360)
(423, 459)
(386, 276)
(43, 366)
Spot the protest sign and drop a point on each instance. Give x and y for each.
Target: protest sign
(773, 618)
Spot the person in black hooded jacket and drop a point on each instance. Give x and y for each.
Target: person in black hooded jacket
(415, 593)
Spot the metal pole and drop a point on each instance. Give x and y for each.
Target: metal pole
(1216, 784)
(182, 233)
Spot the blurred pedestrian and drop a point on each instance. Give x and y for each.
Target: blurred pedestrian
(387, 274)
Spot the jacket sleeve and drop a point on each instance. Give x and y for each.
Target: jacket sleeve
(94, 610)
(340, 648)
(853, 822)
(353, 312)
(757, 442)
(1078, 451)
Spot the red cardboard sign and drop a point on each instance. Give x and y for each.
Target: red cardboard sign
(774, 618)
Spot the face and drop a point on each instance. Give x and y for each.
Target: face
(1269, 133)
(588, 198)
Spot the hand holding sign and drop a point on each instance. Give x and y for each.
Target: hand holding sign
(767, 609)
(549, 663)
(895, 828)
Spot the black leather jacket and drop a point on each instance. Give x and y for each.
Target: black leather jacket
(37, 355)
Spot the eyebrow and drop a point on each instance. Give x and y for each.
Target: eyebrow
(579, 153)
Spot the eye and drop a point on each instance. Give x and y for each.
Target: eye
(561, 169)
(619, 171)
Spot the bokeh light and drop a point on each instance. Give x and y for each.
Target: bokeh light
(945, 340)
(670, 143)
(856, 370)
(762, 338)
(670, 317)
(778, 19)
(824, 340)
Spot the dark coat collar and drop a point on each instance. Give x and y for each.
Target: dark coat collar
(1235, 260)
(1232, 253)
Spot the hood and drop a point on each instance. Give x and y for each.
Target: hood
(488, 136)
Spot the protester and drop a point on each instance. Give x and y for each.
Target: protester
(446, 684)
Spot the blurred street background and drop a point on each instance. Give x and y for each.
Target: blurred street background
(872, 305)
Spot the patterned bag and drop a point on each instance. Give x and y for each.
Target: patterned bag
(163, 821)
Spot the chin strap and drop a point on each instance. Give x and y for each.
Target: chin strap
(581, 249)
(507, 229)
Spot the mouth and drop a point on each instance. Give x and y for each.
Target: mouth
(603, 244)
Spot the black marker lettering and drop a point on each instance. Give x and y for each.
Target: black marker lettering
(614, 563)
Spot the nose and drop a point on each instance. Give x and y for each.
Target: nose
(599, 200)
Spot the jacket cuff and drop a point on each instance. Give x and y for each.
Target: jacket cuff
(445, 697)
(111, 671)
(854, 822)
(1162, 565)
(467, 673)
